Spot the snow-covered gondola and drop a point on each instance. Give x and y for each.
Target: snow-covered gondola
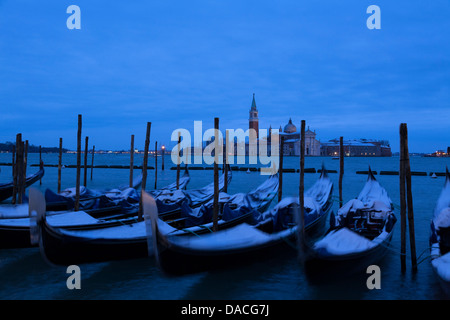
(94, 200)
(104, 209)
(440, 237)
(272, 232)
(72, 246)
(6, 189)
(359, 235)
(169, 202)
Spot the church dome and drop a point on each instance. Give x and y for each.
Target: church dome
(290, 127)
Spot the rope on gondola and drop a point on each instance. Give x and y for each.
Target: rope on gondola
(206, 227)
(189, 231)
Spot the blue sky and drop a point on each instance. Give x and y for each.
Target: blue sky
(174, 62)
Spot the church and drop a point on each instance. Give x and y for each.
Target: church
(290, 135)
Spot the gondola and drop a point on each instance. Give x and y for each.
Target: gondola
(169, 203)
(440, 237)
(116, 208)
(91, 199)
(359, 235)
(65, 246)
(267, 236)
(6, 189)
(110, 204)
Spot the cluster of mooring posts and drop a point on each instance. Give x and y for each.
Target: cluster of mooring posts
(19, 163)
(20, 153)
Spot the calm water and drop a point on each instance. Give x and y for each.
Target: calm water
(24, 274)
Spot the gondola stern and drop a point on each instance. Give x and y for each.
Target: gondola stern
(371, 175)
(324, 172)
(36, 210)
(151, 224)
(38, 222)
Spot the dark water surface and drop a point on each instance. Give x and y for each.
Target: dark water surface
(25, 275)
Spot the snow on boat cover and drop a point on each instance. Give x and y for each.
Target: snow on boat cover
(373, 198)
(440, 227)
(246, 236)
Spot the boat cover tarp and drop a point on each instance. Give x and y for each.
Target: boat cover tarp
(246, 235)
(171, 200)
(196, 216)
(440, 217)
(443, 219)
(240, 236)
(344, 241)
(234, 206)
(373, 198)
(442, 266)
(315, 199)
(182, 183)
(373, 191)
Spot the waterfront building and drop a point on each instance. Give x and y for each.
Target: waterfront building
(357, 148)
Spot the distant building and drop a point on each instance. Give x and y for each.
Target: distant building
(290, 135)
(357, 148)
(291, 138)
(253, 121)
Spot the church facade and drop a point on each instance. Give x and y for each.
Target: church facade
(291, 141)
(289, 134)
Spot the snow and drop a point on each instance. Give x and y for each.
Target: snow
(373, 191)
(169, 196)
(14, 211)
(351, 206)
(71, 218)
(378, 209)
(56, 219)
(344, 241)
(443, 200)
(241, 236)
(443, 219)
(131, 231)
(442, 266)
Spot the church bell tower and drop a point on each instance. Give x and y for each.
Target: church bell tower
(253, 119)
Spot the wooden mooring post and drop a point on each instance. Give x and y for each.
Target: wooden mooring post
(163, 151)
(178, 160)
(86, 149)
(14, 172)
(131, 160)
(25, 163)
(156, 164)
(406, 201)
(216, 175)
(60, 164)
(144, 170)
(13, 163)
(280, 169)
(40, 162)
(18, 171)
(341, 169)
(92, 161)
(225, 161)
(78, 178)
(301, 194)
